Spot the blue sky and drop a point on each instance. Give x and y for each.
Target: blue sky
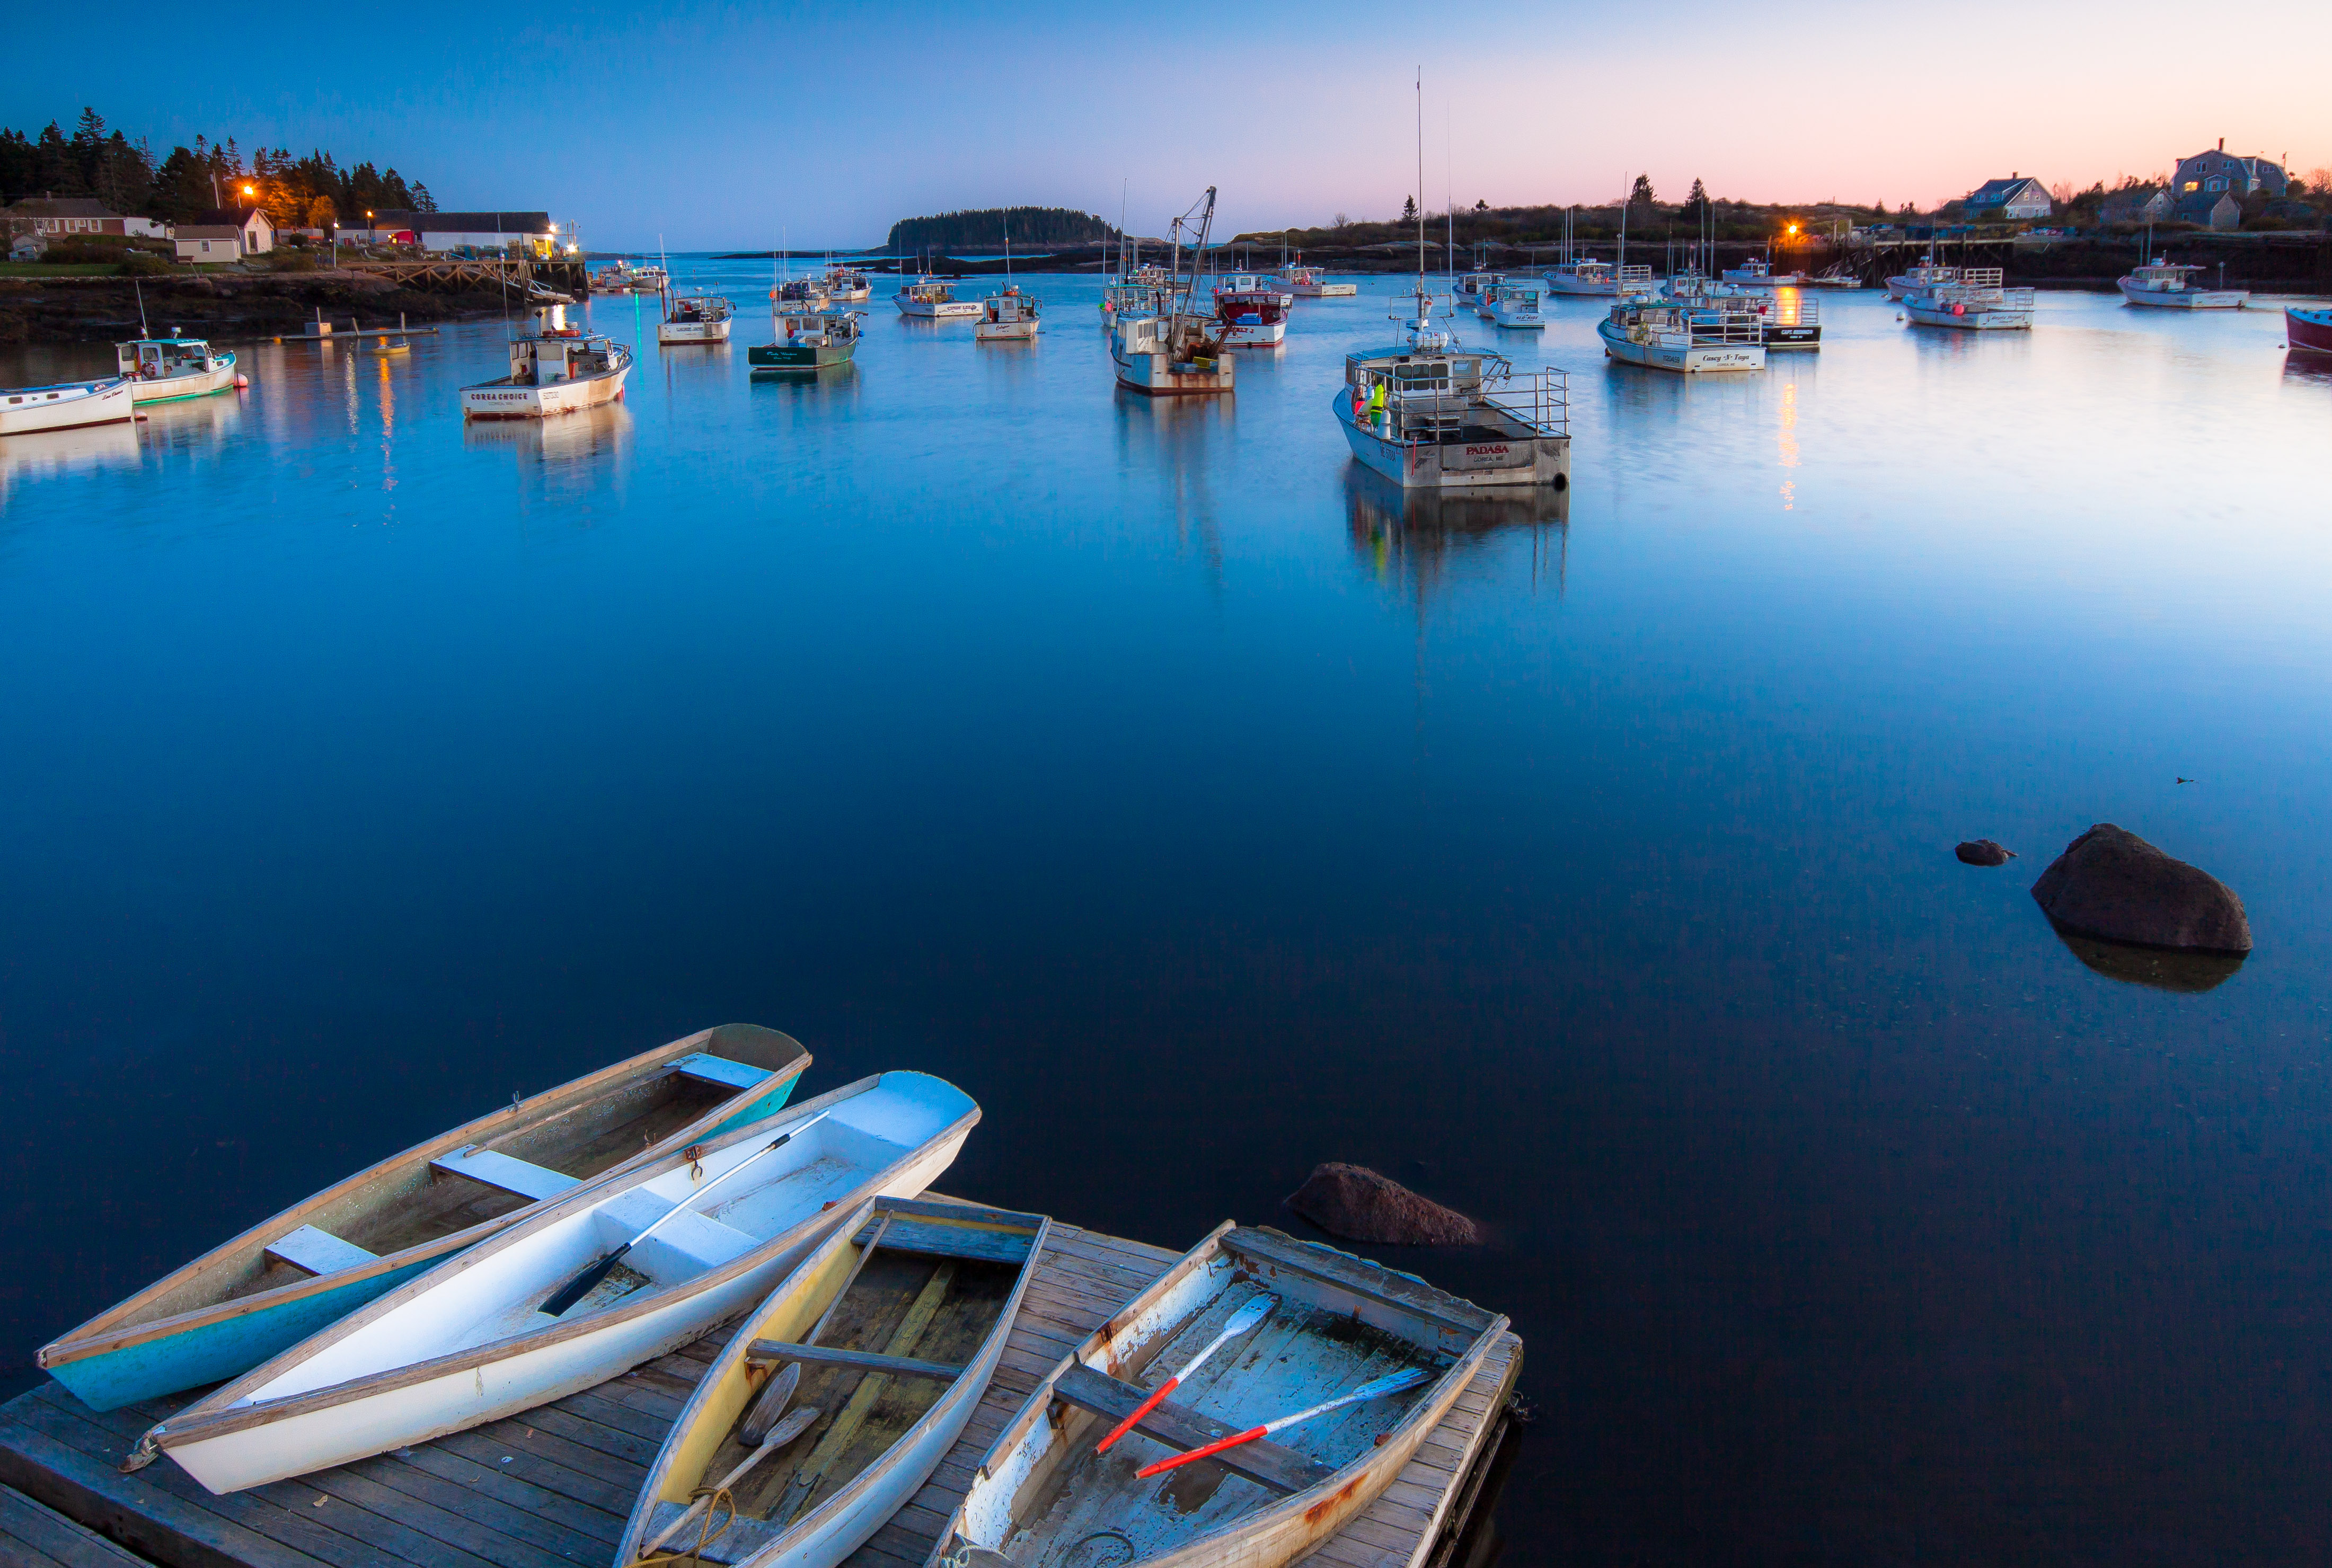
(722, 125)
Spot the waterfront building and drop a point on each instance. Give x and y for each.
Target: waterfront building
(444, 232)
(2016, 199)
(55, 217)
(224, 234)
(2210, 209)
(2219, 170)
(2139, 204)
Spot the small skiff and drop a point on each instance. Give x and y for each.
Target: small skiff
(319, 1261)
(1335, 1323)
(469, 1342)
(893, 1328)
(68, 406)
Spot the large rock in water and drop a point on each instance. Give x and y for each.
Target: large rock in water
(1354, 1202)
(2110, 883)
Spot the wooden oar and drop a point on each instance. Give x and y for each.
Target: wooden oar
(1375, 1390)
(1243, 1319)
(767, 1440)
(592, 1273)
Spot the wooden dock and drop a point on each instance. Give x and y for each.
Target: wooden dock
(552, 1487)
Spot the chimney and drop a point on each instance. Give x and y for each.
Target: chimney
(2223, 144)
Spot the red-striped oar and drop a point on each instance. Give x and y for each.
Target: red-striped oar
(1243, 1319)
(1375, 1390)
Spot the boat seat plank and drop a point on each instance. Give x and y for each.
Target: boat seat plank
(1178, 1426)
(778, 1350)
(318, 1251)
(511, 1175)
(950, 1241)
(711, 1069)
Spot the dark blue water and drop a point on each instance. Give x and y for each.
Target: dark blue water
(1158, 777)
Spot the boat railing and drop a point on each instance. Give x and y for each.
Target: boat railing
(1709, 328)
(1981, 277)
(1635, 275)
(1538, 398)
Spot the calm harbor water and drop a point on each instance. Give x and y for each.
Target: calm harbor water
(1207, 813)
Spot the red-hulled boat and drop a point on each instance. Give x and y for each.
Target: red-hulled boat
(2308, 328)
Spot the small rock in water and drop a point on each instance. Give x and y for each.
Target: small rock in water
(1983, 852)
(1357, 1203)
(2111, 884)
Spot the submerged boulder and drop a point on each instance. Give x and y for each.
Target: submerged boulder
(1983, 852)
(1357, 1203)
(2111, 884)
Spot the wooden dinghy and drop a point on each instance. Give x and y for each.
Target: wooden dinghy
(1043, 1498)
(319, 1261)
(468, 1342)
(893, 1328)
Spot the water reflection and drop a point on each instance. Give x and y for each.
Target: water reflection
(56, 454)
(1420, 537)
(197, 425)
(1182, 440)
(2163, 969)
(568, 441)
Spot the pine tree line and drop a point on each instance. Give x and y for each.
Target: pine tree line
(310, 192)
(985, 228)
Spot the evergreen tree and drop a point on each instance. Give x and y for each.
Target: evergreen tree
(17, 164)
(422, 201)
(182, 187)
(1641, 194)
(56, 171)
(1408, 209)
(1697, 203)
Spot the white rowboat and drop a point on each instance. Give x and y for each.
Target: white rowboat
(896, 1324)
(465, 1343)
(66, 406)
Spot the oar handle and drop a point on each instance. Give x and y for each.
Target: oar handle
(1139, 1411)
(1217, 1447)
(776, 1144)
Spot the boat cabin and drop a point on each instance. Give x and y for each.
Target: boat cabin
(810, 329)
(1695, 324)
(1249, 306)
(1412, 395)
(927, 292)
(700, 308)
(562, 354)
(1009, 307)
(160, 358)
(2163, 277)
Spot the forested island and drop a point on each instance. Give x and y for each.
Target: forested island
(986, 229)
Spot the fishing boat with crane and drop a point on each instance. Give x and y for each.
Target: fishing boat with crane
(1163, 347)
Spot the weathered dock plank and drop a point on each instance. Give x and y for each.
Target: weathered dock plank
(32, 1536)
(551, 1488)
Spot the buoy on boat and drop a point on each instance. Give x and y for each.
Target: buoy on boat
(241, 380)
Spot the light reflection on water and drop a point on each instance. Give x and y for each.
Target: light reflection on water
(1208, 809)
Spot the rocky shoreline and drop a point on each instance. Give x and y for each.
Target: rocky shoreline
(224, 308)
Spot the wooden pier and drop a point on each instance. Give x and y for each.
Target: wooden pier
(551, 1488)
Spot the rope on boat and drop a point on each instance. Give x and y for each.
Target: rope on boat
(705, 1534)
(143, 1455)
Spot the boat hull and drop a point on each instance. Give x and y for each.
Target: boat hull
(1800, 338)
(1160, 376)
(771, 359)
(1586, 287)
(1748, 279)
(501, 400)
(1520, 319)
(64, 407)
(949, 310)
(2310, 330)
(1522, 461)
(1324, 290)
(1006, 332)
(1254, 334)
(694, 331)
(138, 1350)
(230, 1441)
(1687, 359)
(195, 384)
(2184, 299)
(1977, 319)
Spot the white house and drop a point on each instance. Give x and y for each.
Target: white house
(2016, 199)
(227, 234)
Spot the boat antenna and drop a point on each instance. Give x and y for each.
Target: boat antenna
(1420, 188)
(1008, 250)
(1449, 189)
(143, 330)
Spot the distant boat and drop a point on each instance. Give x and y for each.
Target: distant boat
(1470, 289)
(284, 1278)
(927, 298)
(1785, 322)
(1918, 279)
(803, 340)
(2171, 286)
(1834, 276)
(1512, 302)
(559, 370)
(620, 277)
(1690, 339)
(1759, 274)
(1252, 316)
(164, 370)
(1007, 316)
(1973, 301)
(67, 406)
(847, 284)
(1600, 279)
(1308, 282)
(679, 1243)
(695, 318)
(2309, 327)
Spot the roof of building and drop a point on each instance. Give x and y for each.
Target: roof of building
(62, 207)
(224, 217)
(207, 231)
(2000, 192)
(512, 222)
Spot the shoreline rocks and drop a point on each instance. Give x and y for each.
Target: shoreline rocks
(1360, 1205)
(2113, 885)
(1983, 852)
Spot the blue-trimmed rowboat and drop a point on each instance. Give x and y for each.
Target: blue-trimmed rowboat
(322, 1258)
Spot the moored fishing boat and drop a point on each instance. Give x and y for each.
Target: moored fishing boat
(1251, 315)
(1514, 302)
(1130, 298)
(1834, 276)
(2308, 328)
(845, 284)
(1918, 279)
(1007, 316)
(1691, 338)
(1598, 279)
(695, 318)
(620, 277)
(1759, 274)
(1975, 303)
(802, 295)
(1169, 351)
(839, 1396)
(2167, 285)
(258, 1295)
(559, 371)
(1429, 414)
(1786, 320)
(1470, 289)
(1307, 283)
(928, 299)
(656, 1259)
(802, 339)
(67, 406)
(1307, 1325)
(163, 369)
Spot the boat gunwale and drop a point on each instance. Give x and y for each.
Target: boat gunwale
(1322, 1508)
(965, 1385)
(217, 1415)
(87, 1340)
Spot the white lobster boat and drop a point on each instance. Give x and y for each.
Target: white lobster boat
(852, 1382)
(68, 406)
(1975, 303)
(1376, 1357)
(560, 370)
(1251, 316)
(845, 284)
(695, 318)
(1429, 415)
(929, 299)
(1312, 284)
(2167, 285)
(1600, 279)
(163, 369)
(1919, 279)
(1691, 338)
(1170, 352)
(1472, 288)
(467, 1342)
(1759, 274)
(1007, 317)
(1511, 303)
